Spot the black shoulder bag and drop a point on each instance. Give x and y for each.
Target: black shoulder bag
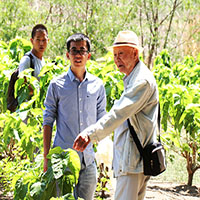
(12, 102)
(153, 154)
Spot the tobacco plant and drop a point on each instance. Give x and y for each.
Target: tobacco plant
(179, 88)
(63, 172)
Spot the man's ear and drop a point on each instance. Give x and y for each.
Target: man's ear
(31, 40)
(67, 55)
(136, 52)
(89, 56)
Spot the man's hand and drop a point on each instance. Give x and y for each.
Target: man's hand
(45, 167)
(30, 90)
(81, 142)
(47, 134)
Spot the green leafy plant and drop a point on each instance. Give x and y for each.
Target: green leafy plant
(63, 172)
(179, 89)
(21, 131)
(103, 180)
(18, 47)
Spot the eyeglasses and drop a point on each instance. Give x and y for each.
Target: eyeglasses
(75, 52)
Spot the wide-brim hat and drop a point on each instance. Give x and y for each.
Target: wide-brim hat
(126, 38)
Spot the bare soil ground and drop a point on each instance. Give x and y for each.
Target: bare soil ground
(171, 191)
(156, 190)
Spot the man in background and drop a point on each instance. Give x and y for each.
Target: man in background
(32, 59)
(39, 40)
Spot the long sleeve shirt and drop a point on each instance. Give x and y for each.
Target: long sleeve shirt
(139, 103)
(74, 105)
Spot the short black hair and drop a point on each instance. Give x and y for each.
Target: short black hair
(78, 37)
(38, 27)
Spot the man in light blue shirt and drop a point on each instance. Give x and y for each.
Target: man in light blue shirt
(75, 99)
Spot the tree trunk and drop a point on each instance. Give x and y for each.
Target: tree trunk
(190, 178)
(189, 169)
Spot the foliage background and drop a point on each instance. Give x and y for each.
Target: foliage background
(172, 24)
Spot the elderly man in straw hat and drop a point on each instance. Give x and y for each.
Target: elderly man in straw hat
(139, 104)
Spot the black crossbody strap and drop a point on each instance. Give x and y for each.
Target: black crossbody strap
(31, 62)
(159, 122)
(135, 137)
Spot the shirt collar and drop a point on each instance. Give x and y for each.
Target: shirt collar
(126, 78)
(73, 77)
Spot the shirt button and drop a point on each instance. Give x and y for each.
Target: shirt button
(81, 124)
(80, 111)
(80, 99)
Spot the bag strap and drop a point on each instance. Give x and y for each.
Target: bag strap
(158, 121)
(31, 62)
(135, 137)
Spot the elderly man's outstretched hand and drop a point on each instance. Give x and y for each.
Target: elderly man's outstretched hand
(81, 142)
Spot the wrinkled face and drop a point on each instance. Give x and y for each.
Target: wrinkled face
(40, 41)
(78, 53)
(125, 58)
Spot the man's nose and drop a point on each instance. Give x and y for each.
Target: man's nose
(41, 42)
(78, 54)
(117, 57)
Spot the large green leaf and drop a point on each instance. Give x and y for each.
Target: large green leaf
(73, 163)
(37, 190)
(55, 150)
(20, 190)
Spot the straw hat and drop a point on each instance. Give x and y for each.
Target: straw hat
(126, 38)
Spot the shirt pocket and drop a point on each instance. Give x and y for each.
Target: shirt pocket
(91, 102)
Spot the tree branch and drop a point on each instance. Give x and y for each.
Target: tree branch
(185, 41)
(170, 13)
(129, 12)
(86, 14)
(147, 16)
(170, 23)
(141, 31)
(48, 15)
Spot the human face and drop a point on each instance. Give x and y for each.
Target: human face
(39, 42)
(125, 58)
(78, 60)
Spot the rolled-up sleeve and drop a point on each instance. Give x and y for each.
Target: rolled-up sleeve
(50, 103)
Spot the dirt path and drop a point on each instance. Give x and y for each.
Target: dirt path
(171, 191)
(157, 190)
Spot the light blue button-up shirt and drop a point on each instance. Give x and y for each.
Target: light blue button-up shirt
(74, 105)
